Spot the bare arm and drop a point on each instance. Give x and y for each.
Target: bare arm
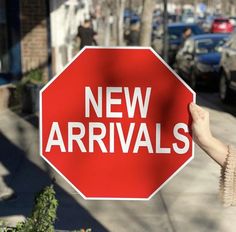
(203, 137)
(218, 151)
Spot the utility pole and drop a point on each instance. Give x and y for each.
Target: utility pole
(165, 31)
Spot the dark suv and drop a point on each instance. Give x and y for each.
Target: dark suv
(227, 86)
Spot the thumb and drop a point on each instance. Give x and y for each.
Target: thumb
(194, 111)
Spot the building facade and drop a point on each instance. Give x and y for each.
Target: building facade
(38, 34)
(65, 17)
(10, 37)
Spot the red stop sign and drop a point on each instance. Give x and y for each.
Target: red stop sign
(115, 123)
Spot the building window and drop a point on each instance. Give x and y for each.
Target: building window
(4, 54)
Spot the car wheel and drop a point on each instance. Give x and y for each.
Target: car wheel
(224, 90)
(193, 81)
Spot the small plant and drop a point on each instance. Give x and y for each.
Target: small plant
(3, 227)
(43, 215)
(27, 91)
(35, 76)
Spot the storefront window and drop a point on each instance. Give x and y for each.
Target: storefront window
(4, 60)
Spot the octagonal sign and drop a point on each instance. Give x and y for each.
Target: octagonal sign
(115, 123)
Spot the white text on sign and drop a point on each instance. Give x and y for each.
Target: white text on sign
(114, 130)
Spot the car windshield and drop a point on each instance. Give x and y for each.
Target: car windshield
(205, 46)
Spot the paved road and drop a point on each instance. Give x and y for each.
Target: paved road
(212, 98)
(188, 203)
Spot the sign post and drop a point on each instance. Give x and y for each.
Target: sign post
(115, 123)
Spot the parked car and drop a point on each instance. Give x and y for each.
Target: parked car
(227, 84)
(199, 59)
(221, 25)
(175, 38)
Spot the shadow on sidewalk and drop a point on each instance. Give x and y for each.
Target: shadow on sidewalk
(25, 179)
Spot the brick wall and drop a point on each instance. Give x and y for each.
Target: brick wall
(34, 47)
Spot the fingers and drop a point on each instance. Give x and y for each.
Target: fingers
(194, 111)
(197, 112)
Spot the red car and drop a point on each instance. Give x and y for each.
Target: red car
(221, 25)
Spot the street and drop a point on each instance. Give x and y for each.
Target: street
(213, 99)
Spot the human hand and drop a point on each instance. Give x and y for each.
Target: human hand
(200, 126)
(201, 132)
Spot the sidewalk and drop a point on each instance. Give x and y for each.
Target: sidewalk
(189, 202)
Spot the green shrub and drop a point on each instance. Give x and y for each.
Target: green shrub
(34, 76)
(43, 215)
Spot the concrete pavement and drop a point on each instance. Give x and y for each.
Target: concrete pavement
(189, 202)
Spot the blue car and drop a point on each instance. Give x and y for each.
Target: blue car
(198, 61)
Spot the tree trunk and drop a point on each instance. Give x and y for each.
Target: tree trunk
(146, 23)
(120, 7)
(107, 26)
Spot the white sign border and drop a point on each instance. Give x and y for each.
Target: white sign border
(40, 123)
